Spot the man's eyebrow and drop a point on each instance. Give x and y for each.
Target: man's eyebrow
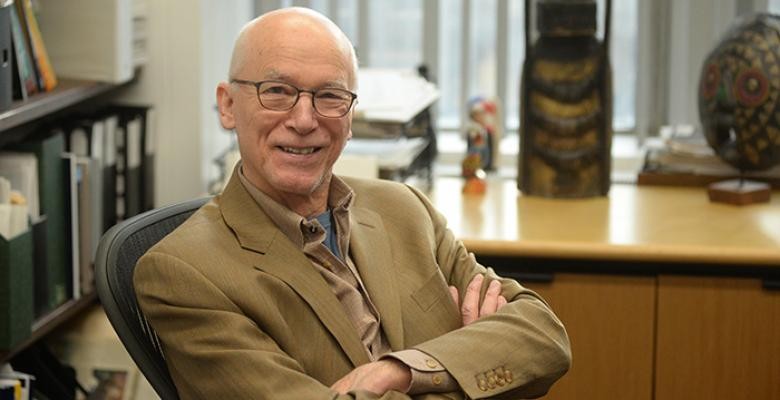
(280, 76)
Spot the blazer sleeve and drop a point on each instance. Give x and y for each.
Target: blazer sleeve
(213, 351)
(518, 352)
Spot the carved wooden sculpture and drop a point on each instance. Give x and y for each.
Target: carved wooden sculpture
(739, 94)
(739, 104)
(566, 103)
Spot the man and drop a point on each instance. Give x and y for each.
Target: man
(296, 284)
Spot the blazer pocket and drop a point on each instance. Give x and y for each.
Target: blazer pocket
(431, 291)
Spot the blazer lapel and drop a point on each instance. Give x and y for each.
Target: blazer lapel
(370, 250)
(278, 256)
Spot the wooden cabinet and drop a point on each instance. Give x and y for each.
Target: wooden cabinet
(609, 320)
(696, 324)
(718, 338)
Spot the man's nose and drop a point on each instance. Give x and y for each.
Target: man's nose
(303, 117)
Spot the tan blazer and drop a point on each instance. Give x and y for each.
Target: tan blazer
(243, 314)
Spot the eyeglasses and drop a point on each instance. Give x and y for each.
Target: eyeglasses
(281, 96)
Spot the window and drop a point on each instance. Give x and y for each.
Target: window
(479, 48)
(395, 35)
(774, 6)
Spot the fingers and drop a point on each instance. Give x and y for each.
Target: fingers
(469, 310)
(501, 302)
(490, 303)
(343, 385)
(454, 295)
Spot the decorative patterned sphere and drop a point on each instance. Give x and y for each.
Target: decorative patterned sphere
(739, 94)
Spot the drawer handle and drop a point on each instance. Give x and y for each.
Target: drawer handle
(771, 283)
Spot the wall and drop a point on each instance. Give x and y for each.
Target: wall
(188, 48)
(221, 24)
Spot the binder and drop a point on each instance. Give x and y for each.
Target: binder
(80, 243)
(16, 289)
(41, 304)
(87, 242)
(74, 176)
(133, 172)
(110, 124)
(6, 58)
(135, 163)
(48, 148)
(150, 147)
(86, 140)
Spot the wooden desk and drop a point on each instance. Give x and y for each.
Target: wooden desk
(682, 313)
(634, 223)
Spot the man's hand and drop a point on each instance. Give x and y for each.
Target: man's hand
(376, 377)
(470, 310)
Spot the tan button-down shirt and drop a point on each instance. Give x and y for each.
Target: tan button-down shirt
(344, 280)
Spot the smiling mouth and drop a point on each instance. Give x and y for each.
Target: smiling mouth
(300, 150)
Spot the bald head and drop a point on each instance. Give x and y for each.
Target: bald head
(286, 28)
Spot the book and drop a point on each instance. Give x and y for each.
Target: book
(687, 160)
(25, 80)
(10, 389)
(25, 381)
(47, 78)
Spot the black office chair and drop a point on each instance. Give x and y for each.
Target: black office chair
(119, 250)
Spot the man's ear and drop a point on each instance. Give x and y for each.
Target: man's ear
(225, 106)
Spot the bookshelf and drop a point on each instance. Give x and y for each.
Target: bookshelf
(47, 323)
(18, 121)
(67, 94)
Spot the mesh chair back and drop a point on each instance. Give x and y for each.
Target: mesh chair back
(119, 250)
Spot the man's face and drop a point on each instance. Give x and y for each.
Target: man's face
(291, 153)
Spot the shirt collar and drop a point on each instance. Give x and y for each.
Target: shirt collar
(294, 226)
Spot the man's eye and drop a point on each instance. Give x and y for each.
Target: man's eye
(276, 90)
(331, 95)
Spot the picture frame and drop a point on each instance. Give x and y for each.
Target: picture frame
(112, 383)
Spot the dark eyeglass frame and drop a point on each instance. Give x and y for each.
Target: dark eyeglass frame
(298, 91)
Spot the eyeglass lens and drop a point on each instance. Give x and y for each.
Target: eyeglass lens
(329, 102)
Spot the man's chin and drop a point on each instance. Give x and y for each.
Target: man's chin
(303, 186)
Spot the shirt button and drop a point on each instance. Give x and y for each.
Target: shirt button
(431, 363)
(436, 380)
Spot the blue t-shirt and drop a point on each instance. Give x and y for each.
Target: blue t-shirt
(326, 220)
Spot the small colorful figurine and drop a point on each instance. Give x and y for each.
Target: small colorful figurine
(481, 132)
